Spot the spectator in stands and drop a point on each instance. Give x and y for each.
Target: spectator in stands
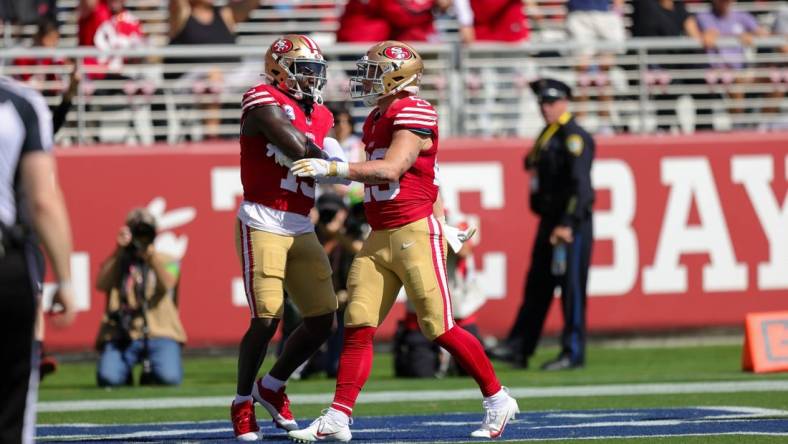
(663, 18)
(141, 322)
(413, 20)
(26, 12)
(723, 21)
(589, 22)
(402, 20)
(49, 83)
(363, 21)
(60, 113)
(201, 22)
(108, 26)
(728, 62)
(492, 20)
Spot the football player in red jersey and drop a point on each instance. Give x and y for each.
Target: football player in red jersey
(282, 119)
(407, 244)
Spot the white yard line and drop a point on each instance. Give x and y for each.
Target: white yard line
(428, 395)
(606, 438)
(175, 433)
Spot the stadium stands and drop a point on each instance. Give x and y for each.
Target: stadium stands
(656, 85)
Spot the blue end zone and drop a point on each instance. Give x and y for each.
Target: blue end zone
(457, 427)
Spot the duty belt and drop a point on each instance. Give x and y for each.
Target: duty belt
(11, 238)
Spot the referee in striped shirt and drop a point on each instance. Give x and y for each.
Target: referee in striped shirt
(32, 210)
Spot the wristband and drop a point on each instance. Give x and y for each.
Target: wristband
(338, 169)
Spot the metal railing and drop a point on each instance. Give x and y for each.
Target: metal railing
(646, 86)
(195, 95)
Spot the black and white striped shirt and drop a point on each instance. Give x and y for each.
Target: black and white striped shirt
(25, 127)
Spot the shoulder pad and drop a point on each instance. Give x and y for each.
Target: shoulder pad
(260, 95)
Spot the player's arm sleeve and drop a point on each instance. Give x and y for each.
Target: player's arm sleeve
(580, 153)
(263, 112)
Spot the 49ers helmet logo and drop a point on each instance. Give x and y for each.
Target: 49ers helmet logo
(397, 53)
(281, 46)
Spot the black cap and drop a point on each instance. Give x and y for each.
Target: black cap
(550, 90)
(330, 201)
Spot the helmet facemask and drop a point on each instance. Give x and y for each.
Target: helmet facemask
(305, 77)
(367, 85)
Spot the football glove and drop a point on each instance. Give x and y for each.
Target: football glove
(319, 168)
(456, 237)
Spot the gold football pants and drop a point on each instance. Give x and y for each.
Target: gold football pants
(413, 255)
(272, 263)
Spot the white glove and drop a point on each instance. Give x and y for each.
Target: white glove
(334, 150)
(318, 168)
(456, 237)
(279, 157)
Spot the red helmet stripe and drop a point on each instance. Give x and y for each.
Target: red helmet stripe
(310, 43)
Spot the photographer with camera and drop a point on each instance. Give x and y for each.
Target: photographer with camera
(141, 322)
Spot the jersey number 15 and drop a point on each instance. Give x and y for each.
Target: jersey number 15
(374, 192)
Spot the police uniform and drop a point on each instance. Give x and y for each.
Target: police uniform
(561, 195)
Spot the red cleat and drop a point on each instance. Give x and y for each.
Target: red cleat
(277, 405)
(244, 422)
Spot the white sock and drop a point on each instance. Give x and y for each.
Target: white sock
(272, 383)
(242, 398)
(499, 399)
(338, 416)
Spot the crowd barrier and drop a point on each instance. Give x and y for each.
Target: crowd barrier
(690, 230)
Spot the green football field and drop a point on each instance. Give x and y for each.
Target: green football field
(215, 377)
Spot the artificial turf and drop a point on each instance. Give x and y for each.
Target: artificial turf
(215, 376)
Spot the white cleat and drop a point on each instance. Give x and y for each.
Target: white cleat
(495, 420)
(322, 429)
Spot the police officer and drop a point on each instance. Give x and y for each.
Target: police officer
(561, 196)
(30, 202)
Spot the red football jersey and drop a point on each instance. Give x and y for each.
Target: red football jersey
(363, 21)
(499, 20)
(410, 198)
(410, 20)
(264, 181)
